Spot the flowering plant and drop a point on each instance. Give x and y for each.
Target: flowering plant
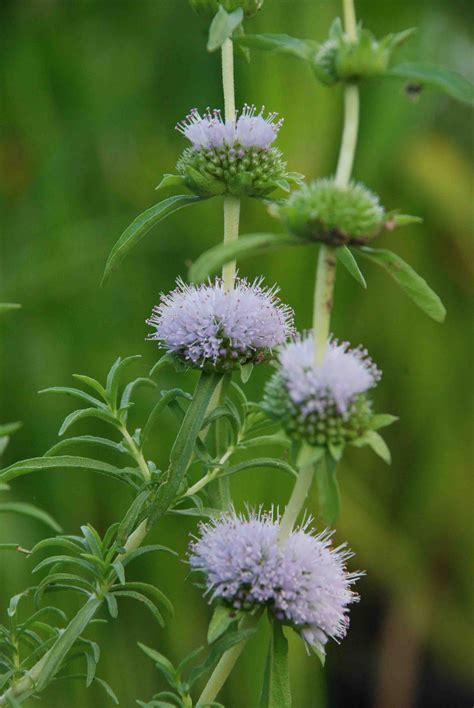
(259, 564)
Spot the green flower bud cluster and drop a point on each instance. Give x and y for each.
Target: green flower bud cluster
(327, 427)
(341, 59)
(208, 8)
(253, 171)
(325, 211)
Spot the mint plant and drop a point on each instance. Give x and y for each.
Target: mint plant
(258, 565)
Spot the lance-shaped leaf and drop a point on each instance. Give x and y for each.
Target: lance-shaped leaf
(36, 464)
(245, 247)
(346, 257)
(259, 462)
(276, 691)
(281, 43)
(408, 279)
(142, 225)
(436, 77)
(8, 306)
(222, 27)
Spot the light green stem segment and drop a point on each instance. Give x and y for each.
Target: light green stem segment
(326, 270)
(227, 662)
(231, 204)
(231, 233)
(323, 299)
(349, 135)
(299, 494)
(228, 80)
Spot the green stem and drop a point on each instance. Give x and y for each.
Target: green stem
(136, 452)
(298, 495)
(231, 203)
(323, 300)
(231, 233)
(326, 270)
(228, 80)
(227, 662)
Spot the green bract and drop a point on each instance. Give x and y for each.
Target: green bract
(208, 8)
(341, 59)
(318, 429)
(325, 211)
(252, 171)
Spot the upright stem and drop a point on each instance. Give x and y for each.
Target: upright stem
(326, 270)
(323, 299)
(231, 233)
(231, 203)
(227, 662)
(228, 80)
(297, 500)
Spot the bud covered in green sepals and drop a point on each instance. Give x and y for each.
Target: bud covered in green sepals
(233, 157)
(208, 8)
(342, 59)
(337, 215)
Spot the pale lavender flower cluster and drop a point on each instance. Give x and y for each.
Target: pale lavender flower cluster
(303, 580)
(210, 325)
(344, 374)
(251, 129)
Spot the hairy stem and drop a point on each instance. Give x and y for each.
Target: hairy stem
(349, 135)
(297, 500)
(136, 452)
(231, 233)
(323, 300)
(228, 80)
(227, 662)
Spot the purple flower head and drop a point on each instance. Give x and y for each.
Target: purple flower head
(343, 375)
(251, 129)
(325, 404)
(207, 325)
(303, 580)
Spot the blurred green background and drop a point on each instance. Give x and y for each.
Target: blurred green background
(90, 93)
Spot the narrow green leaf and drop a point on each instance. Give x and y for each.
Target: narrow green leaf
(153, 591)
(161, 662)
(36, 464)
(221, 619)
(328, 489)
(436, 77)
(259, 462)
(408, 279)
(382, 420)
(141, 226)
(114, 376)
(246, 246)
(281, 43)
(219, 648)
(132, 386)
(222, 27)
(276, 692)
(378, 445)
(346, 257)
(92, 383)
(83, 413)
(183, 448)
(166, 398)
(75, 393)
(171, 181)
(31, 511)
(87, 440)
(275, 439)
(51, 663)
(134, 595)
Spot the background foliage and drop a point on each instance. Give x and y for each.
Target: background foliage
(90, 92)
